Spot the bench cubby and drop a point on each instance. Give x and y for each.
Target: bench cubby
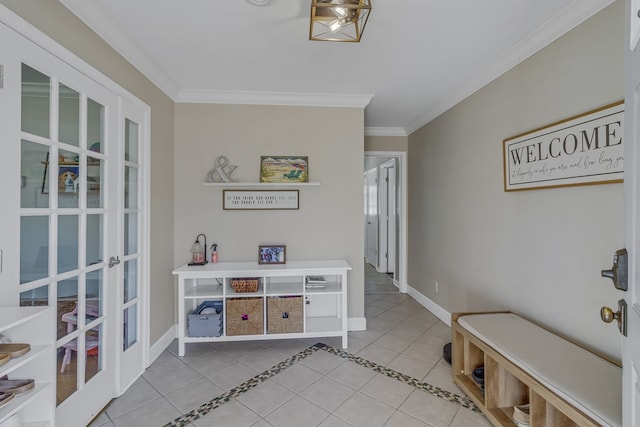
(564, 384)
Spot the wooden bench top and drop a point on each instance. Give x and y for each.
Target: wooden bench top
(583, 379)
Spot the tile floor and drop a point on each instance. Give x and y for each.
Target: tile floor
(376, 283)
(319, 390)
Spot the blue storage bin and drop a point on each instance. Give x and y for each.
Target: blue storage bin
(206, 325)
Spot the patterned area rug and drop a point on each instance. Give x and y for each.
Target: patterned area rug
(217, 401)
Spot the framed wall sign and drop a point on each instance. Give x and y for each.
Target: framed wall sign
(582, 150)
(260, 199)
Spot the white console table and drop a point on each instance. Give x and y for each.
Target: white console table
(324, 306)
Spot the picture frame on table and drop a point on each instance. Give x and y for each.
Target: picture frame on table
(272, 254)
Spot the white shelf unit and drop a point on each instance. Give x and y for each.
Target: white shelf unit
(261, 184)
(324, 309)
(36, 327)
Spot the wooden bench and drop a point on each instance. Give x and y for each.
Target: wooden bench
(564, 384)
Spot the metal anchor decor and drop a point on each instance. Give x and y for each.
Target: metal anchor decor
(219, 174)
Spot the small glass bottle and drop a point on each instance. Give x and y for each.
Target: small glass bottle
(214, 253)
(197, 253)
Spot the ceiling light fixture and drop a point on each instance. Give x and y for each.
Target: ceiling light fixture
(338, 20)
(260, 2)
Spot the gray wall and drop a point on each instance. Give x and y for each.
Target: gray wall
(538, 253)
(385, 143)
(57, 22)
(328, 224)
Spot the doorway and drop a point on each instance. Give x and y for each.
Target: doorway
(385, 222)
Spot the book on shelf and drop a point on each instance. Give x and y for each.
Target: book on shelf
(316, 280)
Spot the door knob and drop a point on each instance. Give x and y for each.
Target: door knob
(608, 315)
(113, 261)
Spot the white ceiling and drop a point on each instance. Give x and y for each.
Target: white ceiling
(417, 58)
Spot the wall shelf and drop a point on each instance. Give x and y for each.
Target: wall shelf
(261, 184)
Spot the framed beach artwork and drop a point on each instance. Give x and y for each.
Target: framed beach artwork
(284, 169)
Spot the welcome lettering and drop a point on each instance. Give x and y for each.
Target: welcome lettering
(607, 135)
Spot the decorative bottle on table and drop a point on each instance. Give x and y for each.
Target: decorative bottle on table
(214, 253)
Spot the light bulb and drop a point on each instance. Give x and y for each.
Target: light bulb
(336, 25)
(340, 12)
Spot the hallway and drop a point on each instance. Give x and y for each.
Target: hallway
(377, 283)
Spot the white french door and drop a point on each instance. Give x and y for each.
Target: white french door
(72, 228)
(130, 292)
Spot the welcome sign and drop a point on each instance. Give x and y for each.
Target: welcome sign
(582, 150)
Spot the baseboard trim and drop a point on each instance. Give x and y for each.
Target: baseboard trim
(357, 324)
(162, 343)
(427, 303)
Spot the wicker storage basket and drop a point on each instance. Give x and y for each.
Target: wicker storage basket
(284, 315)
(245, 316)
(245, 284)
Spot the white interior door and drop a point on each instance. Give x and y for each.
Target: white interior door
(59, 198)
(631, 344)
(371, 216)
(383, 220)
(392, 213)
(387, 217)
(131, 293)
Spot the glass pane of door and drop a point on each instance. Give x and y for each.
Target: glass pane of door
(67, 306)
(130, 187)
(94, 352)
(131, 141)
(67, 243)
(34, 248)
(95, 125)
(130, 233)
(94, 295)
(130, 280)
(132, 228)
(95, 184)
(130, 328)
(34, 168)
(95, 242)
(36, 297)
(69, 115)
(35, 103)
(67, 177)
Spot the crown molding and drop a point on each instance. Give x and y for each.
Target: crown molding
(564, 21)
(101, 23)
(108, 29)
(385, 131)
(273, 98)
